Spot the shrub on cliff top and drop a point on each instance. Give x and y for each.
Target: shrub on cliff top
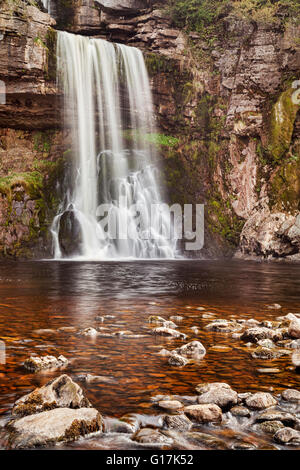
(198, 14)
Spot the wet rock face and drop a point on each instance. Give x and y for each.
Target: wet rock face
(70, 235)
(25, 67)
(271, 234)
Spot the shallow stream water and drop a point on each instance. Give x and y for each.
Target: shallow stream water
(39, 298)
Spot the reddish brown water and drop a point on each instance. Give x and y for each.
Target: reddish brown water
(50, 295)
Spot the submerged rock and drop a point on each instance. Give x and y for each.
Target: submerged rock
(176, 318)
(50, 427)
(35, 363)
(260, 401)
(61, 392)
(204, 413)
(194, 349)
(177, 360)
(91, 379)
(152, 436)
(253, 335)
(223, 326)
(88, 332)
(162, 331)
(206, 440)
(267, 353)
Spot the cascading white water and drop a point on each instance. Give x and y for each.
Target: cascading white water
(109, 109)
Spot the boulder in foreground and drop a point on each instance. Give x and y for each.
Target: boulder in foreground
(61, 392)
(50, 427)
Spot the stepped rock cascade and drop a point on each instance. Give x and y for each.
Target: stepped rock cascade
(108, 107)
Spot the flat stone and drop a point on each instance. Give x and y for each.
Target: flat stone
(204, 413)
(172, 405)
(276, 415)
(268, 370)
(260, 401)
(162, 331)
(50, 427)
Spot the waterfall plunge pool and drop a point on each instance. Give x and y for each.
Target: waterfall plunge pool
(39, 298)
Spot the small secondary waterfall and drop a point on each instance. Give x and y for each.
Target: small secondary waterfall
(108, 106)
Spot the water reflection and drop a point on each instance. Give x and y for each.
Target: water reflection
(39, 298)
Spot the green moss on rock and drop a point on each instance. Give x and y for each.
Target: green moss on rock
(282, 120)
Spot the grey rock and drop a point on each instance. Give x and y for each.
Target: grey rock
(50, 427)
(270, 427)
(177, 360)
(204, 413)
(152, 436)
(35, 364)
(240, 411)
(291, 395)
(177, 422)
(287, 436)
(194, 349)
(260, 401)
(217, 393)
(61, 392)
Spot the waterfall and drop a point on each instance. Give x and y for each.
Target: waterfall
(108, 107)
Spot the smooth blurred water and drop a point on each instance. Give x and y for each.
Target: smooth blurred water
(107, 96)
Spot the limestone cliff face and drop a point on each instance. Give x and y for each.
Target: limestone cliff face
(227, 112)
(31, 150)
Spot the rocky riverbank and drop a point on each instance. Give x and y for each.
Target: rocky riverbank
(216, 417)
